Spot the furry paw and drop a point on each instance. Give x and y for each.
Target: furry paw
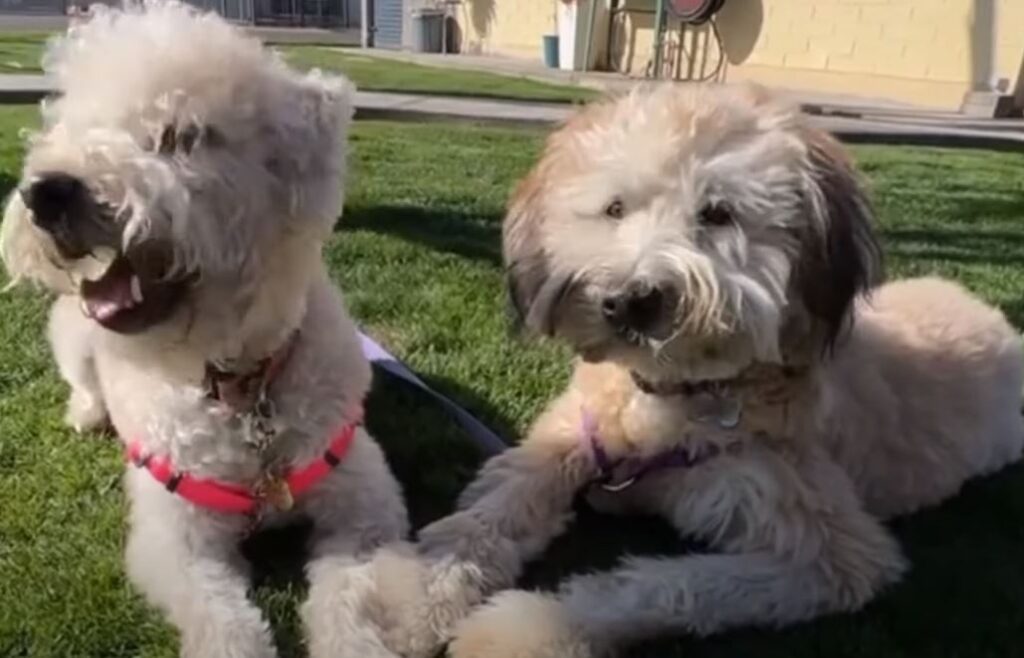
(227, 639)
(342, 613)
(85, 412)
(420, 600)
(518, 624)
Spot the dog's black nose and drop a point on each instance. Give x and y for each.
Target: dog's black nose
(638, 308)
(51, 196)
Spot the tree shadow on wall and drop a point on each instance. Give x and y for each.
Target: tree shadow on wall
(479, 14)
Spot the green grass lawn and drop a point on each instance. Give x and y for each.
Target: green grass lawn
(418, 254)
(21, 53)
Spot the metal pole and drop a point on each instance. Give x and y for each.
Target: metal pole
(444, 29)
(365, 21)
(590, 35)
(984, 33)
(1018, 89)
(659, 28)
(613, 6)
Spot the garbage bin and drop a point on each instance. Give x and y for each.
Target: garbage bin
(427, 30)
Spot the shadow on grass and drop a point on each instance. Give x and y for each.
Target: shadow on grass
(965, 576)
(429, 452)
(7, 184)
(971, 204)
(477, 237)
(983, 247)
(598, 542)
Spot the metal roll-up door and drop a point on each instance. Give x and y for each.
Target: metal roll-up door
(387, 23)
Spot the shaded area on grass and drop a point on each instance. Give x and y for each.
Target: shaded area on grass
(448, 232)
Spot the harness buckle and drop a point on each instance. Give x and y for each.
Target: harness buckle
(274, 490)
(619, 487)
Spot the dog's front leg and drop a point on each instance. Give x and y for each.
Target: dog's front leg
(186, 562)
(355, 511)
(71, 339)
(810, 551)
(519, 503)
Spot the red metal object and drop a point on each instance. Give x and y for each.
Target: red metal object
(694, 11)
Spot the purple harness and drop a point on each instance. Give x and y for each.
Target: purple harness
(633, 469)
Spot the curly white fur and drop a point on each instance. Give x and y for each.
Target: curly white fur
(243, 211)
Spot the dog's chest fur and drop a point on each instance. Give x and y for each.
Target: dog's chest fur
(323, 382)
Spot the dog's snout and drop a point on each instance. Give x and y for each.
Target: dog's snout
(639, 307)
(50, 196)
(61, 206)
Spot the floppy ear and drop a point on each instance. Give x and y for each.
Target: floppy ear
(527, 267)
(840, 257)
(309, 155)
(330, 102)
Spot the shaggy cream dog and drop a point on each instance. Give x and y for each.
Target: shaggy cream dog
(177, 198)
(704, 250)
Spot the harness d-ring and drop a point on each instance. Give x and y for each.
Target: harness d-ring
(621, 486)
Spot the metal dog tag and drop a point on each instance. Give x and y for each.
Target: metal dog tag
(719, 408)
(276, 492)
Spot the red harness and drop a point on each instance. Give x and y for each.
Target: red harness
(236, 499)
(244, 393)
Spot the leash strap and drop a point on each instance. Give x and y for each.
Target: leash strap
(489, 442)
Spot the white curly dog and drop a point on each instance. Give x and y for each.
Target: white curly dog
(704, 250)
(177, 199)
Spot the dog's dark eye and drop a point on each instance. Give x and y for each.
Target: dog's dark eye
(715, 214)
(188, 137)
(173, 140)
(168, 140)
(615, 209)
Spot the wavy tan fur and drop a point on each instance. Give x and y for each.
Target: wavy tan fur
(856, 406)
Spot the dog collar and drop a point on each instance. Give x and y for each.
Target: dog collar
(690, 388)
(243, 391)
(617, 475)
(685, 388)
(278, 492)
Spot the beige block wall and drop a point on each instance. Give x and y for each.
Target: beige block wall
(506, 27)
(921, 51)
(918, 51)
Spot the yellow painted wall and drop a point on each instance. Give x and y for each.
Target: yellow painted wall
(506, 27)
(917, 51)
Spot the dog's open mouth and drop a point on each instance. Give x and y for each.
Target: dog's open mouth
(127, 299)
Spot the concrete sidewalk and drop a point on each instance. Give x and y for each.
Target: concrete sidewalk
(846, 114)
(612, 81)
(885, 125)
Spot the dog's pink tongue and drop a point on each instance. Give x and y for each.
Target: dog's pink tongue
(111, 294)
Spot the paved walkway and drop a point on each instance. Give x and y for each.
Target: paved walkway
(846, 114)
(533, 69)
(887, 125)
